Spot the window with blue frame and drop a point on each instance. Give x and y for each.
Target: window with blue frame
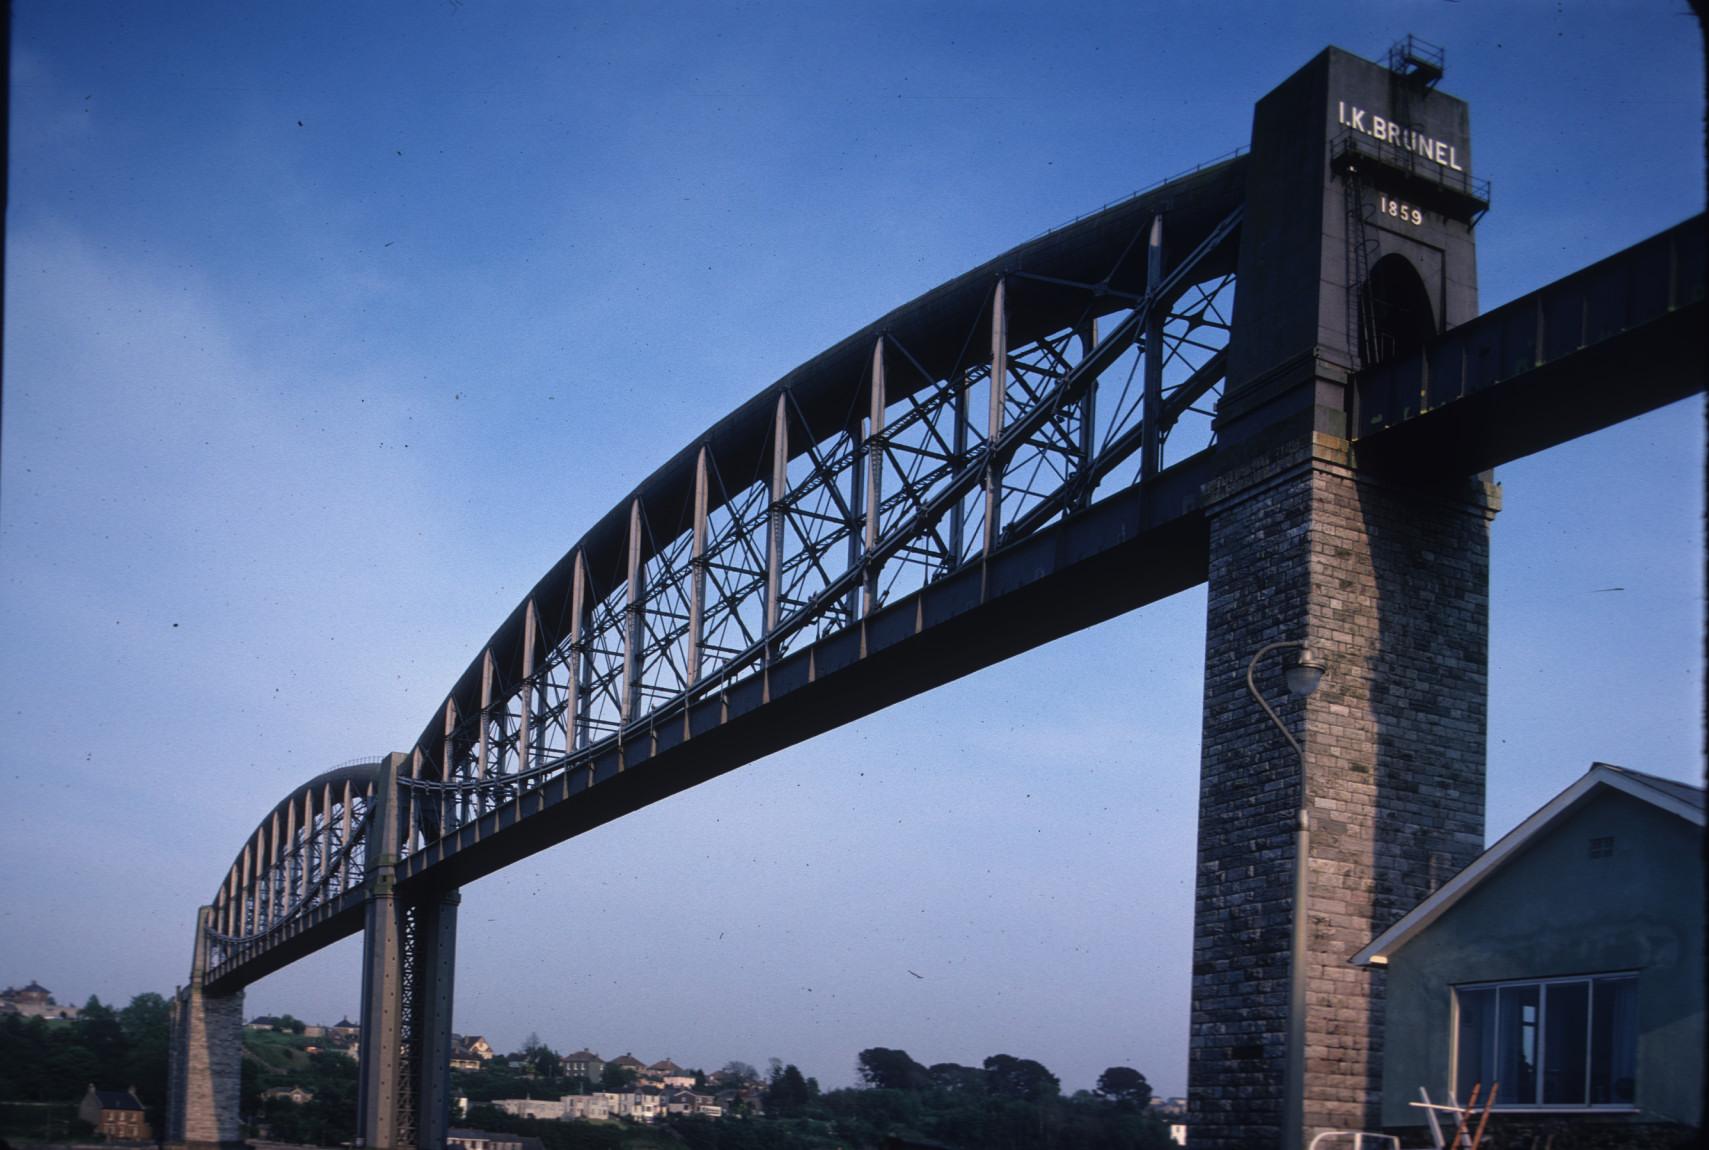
(1554, 1042)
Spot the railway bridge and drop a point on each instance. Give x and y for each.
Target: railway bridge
(1270, 375)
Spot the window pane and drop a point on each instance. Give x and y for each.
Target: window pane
(1614, 1042)
(1516, 1045)
(1566, 1014)
(1476, 1040)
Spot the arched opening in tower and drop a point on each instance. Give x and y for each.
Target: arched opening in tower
(1396, 318)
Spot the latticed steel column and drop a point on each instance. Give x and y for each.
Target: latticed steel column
(409, 952)
(434, 959)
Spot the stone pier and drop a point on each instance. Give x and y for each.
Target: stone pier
(1385, 578)
(205, 1060)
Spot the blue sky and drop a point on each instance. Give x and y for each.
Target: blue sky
(329, 328)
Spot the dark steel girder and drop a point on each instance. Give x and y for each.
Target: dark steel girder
(1619, 338)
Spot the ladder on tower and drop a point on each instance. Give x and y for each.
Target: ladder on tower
(1361, 320)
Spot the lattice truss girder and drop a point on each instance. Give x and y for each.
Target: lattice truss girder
(925, 471)
(308, 851)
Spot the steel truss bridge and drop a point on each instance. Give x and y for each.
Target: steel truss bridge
(1013, 456)
(777, 573)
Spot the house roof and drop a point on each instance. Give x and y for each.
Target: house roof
(583, 1056)
(1680, 799)
(117, 1100)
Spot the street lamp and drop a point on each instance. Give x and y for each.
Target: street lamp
(1302, 675)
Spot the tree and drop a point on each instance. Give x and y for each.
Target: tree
(954, 1078)
(1126, 1086)
(617, 1079)
(1020, 1078)
(541, 1059)
(892, 1070)
(147, 1025)
(104, 1039)
(788, 1092)
(734, 1071)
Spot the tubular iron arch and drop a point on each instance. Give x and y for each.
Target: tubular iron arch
(1076, 367)
(917, 448)
(305, 855)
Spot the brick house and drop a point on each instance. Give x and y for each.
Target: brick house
(116, 1115)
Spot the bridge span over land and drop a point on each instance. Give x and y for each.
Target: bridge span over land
(1269, 374)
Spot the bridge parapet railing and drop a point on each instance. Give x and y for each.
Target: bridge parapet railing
(1008, 399)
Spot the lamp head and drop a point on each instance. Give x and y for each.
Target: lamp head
(1303, 673)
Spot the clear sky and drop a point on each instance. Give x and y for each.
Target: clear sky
(330, 327)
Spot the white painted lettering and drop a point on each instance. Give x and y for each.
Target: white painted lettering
(1363, 120)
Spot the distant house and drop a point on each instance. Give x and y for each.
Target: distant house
(667, 1073)
(642, 1104)
(584, 1064)
(344, 1028)
(588, 1107)
(459, 1138)
(115, 1114)
(531, 1107)
(683, 1100)
(469, 1053)
(295, 1095)
(33, 1001)
(1565, 964)
(631, 1063)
